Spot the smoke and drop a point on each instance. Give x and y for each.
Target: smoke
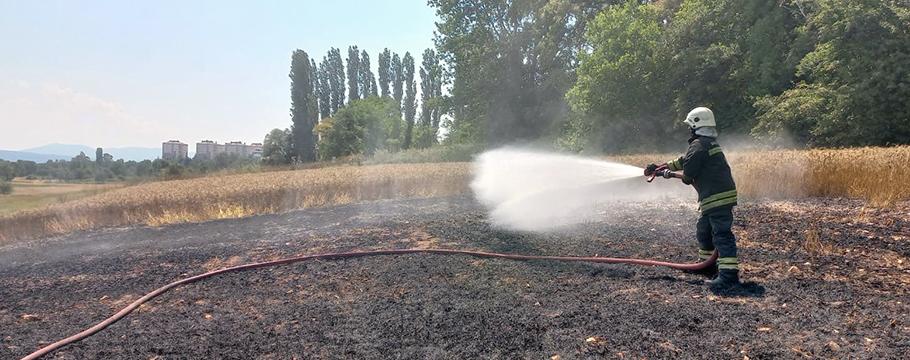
(541, 191)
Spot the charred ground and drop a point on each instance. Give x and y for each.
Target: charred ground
(832, 280)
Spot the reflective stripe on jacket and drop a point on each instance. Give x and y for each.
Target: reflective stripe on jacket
(705, 167)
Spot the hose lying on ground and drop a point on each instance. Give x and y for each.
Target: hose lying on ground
(342, 255)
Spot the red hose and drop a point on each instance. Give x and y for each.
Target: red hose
(135, 304)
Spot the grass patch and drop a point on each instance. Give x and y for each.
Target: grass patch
(32, 194)
(435, 154)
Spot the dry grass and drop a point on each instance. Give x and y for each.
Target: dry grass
(232, 196)
(878, 175)
(814, 245)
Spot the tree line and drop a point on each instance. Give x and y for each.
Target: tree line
(339, 107)
(619, 75)
(82, 168)
(103, 167)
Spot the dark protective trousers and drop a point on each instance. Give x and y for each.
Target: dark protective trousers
(714, 231)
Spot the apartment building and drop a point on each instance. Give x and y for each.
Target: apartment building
(208, 149)
(174, 150)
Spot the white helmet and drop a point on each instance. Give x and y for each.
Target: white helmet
(700, 117)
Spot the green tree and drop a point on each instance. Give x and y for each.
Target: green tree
(510, 64)
(649, 64)
(724, 53)
(276, 147)
(397, 77)
(324, 88)
(431, 104)
(354, 73)
(7, 171)
(410, 99)
(144, 168)
(80, 167)
(336, 79)
(303, 107)
(853, 84)
(367, 80)
(99, 156)
(25, 168)
(384, 64)
(314, 79)
(621, 93)
(361, 127)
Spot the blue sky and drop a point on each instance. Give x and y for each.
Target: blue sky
(124, 73)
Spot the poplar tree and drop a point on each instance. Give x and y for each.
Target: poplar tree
(367, 80)
(336, 79)
(410, 99)
(303, 107)
(395, 76)
(314, 79)
(384, 62)
(324, 88)
(430, 89)
(353, 73)
(373, 89)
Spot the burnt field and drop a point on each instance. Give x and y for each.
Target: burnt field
(830, 279)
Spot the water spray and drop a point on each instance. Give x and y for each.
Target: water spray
(537, 191)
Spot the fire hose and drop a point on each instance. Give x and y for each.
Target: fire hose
(354, 254)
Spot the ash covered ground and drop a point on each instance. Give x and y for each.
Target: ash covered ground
(831, 279)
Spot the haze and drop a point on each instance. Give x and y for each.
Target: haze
(108, 73)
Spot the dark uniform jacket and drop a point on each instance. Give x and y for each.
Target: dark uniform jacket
(705, 167)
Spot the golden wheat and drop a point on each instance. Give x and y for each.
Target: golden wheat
(879, 175)
(232, 196)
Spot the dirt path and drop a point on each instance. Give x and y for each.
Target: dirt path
(833, 281)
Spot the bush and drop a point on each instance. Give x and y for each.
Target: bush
(7, 171)
(5, 187)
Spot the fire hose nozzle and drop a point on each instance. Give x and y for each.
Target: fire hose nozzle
(664, 173)
(653, 171)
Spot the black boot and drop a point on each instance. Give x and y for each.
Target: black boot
(725, 279)
(708, 272)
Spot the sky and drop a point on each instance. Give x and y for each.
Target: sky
(125, 73)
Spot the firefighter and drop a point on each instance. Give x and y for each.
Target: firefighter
(705, 168)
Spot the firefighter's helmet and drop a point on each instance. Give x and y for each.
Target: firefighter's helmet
(700, 117)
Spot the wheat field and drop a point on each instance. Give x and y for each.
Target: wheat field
(233, 196)
(881, 176)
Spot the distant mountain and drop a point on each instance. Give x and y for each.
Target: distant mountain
(71, 150)
(125, 153)
(9, 155)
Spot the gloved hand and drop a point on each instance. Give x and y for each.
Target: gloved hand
(665, 173)
(650, 169)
